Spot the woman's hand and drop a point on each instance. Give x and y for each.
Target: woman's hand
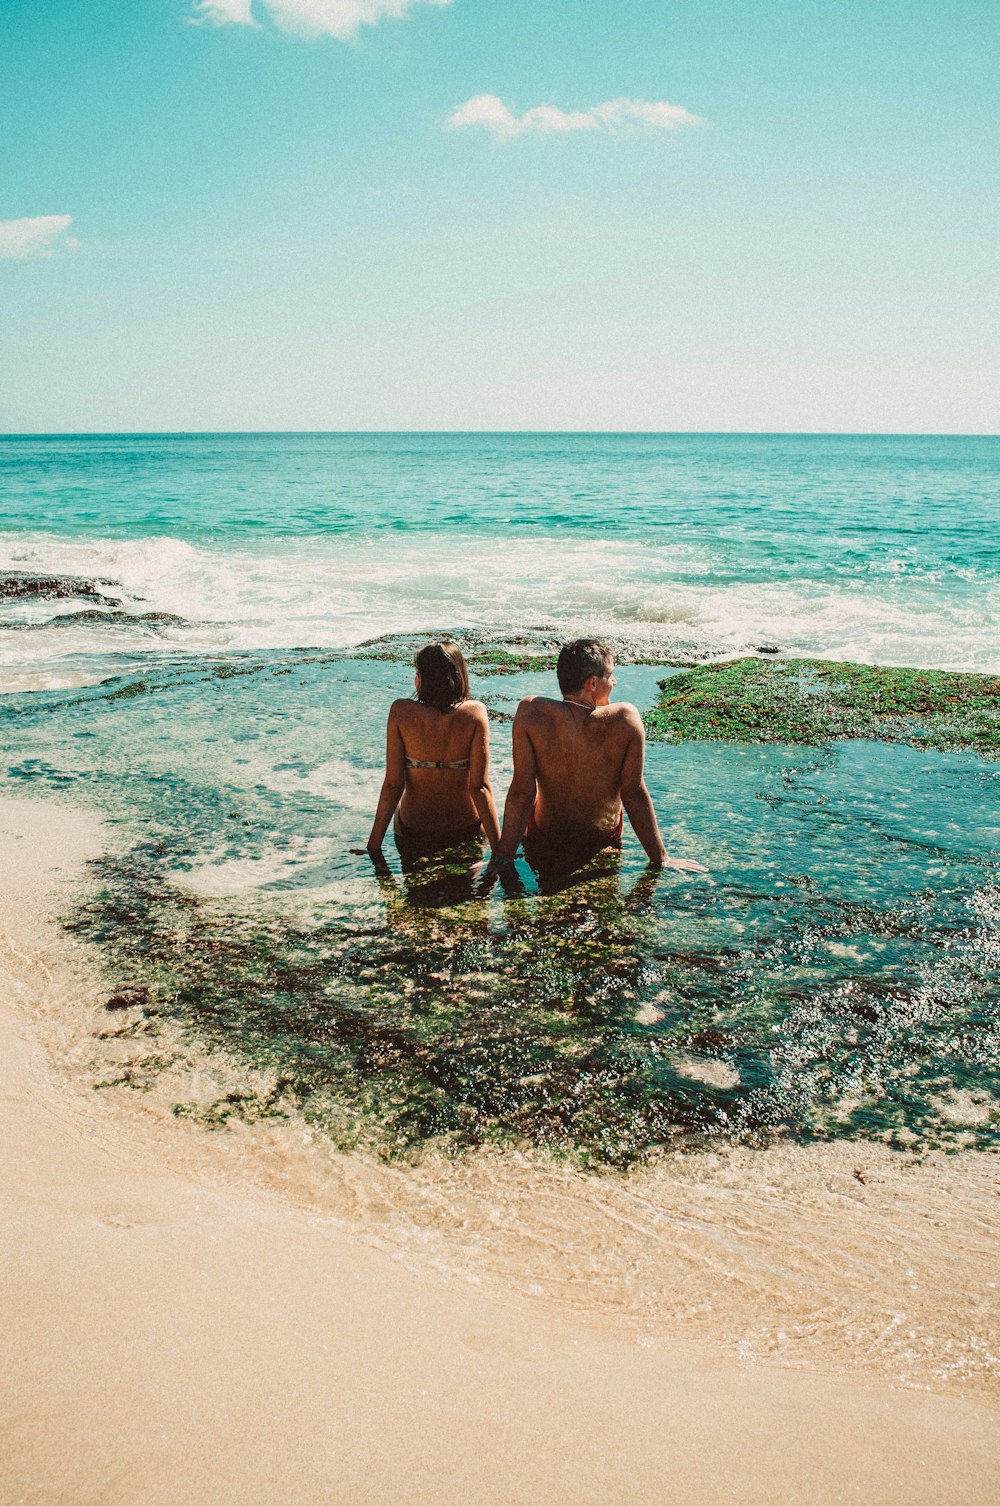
(379, 862)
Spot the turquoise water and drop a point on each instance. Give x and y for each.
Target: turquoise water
(836, 973)
(866, 548)
(838, 970)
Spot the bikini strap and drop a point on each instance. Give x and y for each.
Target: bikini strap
(436, 763)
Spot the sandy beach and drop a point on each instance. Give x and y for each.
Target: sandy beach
(415, 407)
(174, 1332)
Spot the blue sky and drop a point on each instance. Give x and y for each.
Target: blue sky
(274, 226)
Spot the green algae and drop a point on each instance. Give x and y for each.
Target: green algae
(488, 661)
(816, 701)
(499, 661)
(126, 692)
(575, 1028)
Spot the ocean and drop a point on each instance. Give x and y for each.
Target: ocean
(876, 549)
(190, 661)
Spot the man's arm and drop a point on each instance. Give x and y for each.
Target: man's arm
(635, 796)
(638, 805)
(521, 795)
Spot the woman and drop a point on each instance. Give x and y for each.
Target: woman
(437, 756)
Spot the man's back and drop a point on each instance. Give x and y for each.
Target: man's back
(578, 756)
(577, 763)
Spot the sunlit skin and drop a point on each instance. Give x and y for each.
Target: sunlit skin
(577, 762)
(431, 800)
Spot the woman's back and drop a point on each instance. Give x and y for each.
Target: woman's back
(438, 753)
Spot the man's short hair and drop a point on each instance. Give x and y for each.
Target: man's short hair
(579, 660)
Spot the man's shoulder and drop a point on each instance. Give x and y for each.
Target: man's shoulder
(624, 716)
(541, 709)
(547, 706)
(534, 706)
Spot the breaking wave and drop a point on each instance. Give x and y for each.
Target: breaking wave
(167, 595)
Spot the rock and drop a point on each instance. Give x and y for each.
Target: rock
(130, 997)
(115, 618)
(18, 583)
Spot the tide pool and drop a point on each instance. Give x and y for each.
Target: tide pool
(835, 974)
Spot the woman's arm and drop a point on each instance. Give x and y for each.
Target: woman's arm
(479, 780)
(521, 795)
(392, 785)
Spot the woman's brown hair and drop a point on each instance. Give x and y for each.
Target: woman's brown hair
(444, 678)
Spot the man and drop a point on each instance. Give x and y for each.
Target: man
(577, 763)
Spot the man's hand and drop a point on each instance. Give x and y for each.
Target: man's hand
(684, 865)
(505, 870)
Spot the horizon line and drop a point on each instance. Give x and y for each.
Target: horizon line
(540, 433)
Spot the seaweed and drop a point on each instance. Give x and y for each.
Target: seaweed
(573, 1029)
(815, 701)
(499, 661)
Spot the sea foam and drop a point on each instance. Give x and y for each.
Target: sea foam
(177, 596)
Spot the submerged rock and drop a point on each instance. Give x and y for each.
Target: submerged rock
(130, 996)
(92, 615)
(16, 584)
(580, 1030)
(531, 649)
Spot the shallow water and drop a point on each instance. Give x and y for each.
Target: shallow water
(836, 974)
(531, 1070)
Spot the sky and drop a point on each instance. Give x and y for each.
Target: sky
(500, 214)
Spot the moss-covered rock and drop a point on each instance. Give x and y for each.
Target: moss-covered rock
(814, 701)
(525, 654)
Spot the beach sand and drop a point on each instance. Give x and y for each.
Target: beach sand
(175, 1329)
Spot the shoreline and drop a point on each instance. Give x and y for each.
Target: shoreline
(175, 1331)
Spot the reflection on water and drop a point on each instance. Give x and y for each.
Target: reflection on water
(444, 880)
(836, 974)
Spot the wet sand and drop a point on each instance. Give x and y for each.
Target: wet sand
(192, 1317)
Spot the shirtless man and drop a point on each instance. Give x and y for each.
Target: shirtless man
(577, 763)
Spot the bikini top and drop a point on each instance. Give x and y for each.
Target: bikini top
(436, 763)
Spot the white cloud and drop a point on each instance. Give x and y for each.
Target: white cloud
(20, 239)
(490, 112)
(307, 18)
(223, 12)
